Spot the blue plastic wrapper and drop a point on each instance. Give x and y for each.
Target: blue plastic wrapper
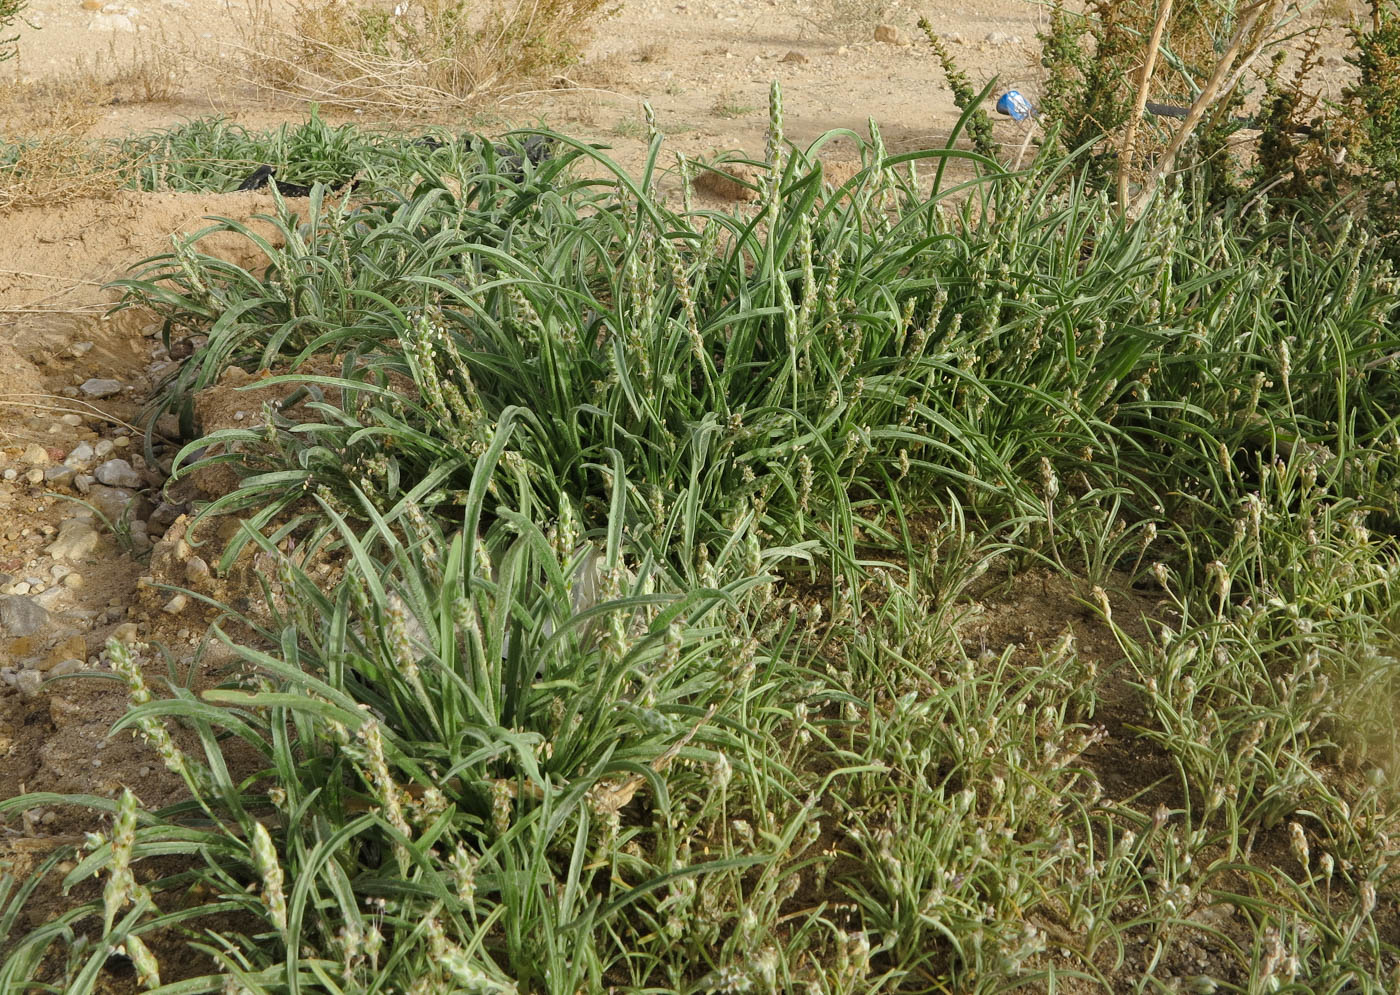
(1014, 105)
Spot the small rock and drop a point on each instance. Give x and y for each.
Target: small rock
(163, 517)
(80, 349)
(60, 476)
(96, 387)
(71, 420)
(118, 473)
(21, 617)
(140, 541)
(66, 667)
(48, 600)
(795, 56)
(35, 476)
(19, 587)
(1002, 38)
(27, 682)
(81, 454)
(76, 539)
(197, 572)
(889, 34)
(83, 482)
(103, 448)
(121, 442)
(35, 455)
(73, 580)
(118, 504)
(176, 605)
(125, 633)
(10, 474)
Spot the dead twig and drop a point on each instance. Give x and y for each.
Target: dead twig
(1149, 63)
(1226, 76)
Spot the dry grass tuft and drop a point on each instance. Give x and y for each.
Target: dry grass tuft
(413, 56)
(854, 20)
(47, 158)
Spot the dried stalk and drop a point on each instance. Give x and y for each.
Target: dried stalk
(1221, 81)
(1149, 63)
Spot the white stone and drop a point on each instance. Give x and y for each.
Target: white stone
(28, 682)
(35, 455)
(76, 539)
(96, 386)
(118, 473)
(79, 454)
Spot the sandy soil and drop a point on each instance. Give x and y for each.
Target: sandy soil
(704, 65)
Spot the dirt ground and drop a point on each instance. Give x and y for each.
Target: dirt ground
(67, 583)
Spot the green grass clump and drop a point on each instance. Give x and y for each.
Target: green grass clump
(216, 155)
(623, 579)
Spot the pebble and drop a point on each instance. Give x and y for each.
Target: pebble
(48, 600)
(795, 56)
(1002, 38)
(19, 587)
(96, 387)
(889, 34)
(76, 539)
(164, 516)
(35, 476)
(80, 349)
(140, 541)
(80, 454)
(10, 474)
(35, 455)
(83, 482)
(119, 473)
(176, 605)
(103, 448)
(118, 503)
(20, 616)
(60, 476)
(27, 682)
(73, 580)
(196, 572)
(72, 420)
(121, 442)
(125, 633)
